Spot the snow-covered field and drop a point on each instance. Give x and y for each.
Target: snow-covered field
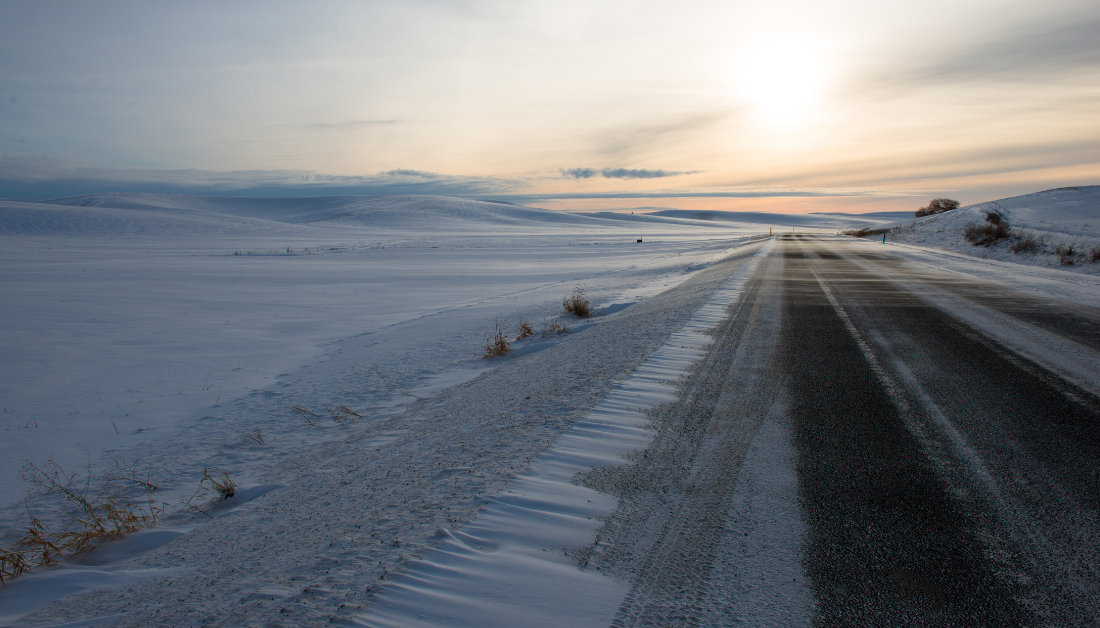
(132, 324)
(1059, 228)
(147, 323)
(276, 339)
(192, 333)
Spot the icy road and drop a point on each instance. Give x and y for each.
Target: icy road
(861, 440)
(943, 443)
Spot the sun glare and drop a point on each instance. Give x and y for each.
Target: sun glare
(782, 79)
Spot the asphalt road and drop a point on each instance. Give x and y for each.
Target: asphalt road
(875, 434)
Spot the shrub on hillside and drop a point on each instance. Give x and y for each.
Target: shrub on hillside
(937, 206)
(995, 228)
(866, 231)
(1027, 244)
(1066, 254)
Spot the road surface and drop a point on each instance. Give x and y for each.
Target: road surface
(866, 444)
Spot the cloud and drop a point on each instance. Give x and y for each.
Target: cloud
(580, 173)
(739, 192)
(30, 176)
(908, 168)
(626, 173)
(1036, 52)
(412, 173)
(352, 124)
(622, 173)
(628, 141)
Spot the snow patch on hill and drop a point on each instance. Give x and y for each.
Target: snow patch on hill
(1063, 225)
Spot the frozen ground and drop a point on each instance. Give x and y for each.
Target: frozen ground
(170, 328)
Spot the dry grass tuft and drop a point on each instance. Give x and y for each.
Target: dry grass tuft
(305, 413)
(343, 413)
(254, 436)
(1066, 254)
(404, 391)
(523, 329)
(1027, 244)
(552, 327)
(219, 485)
(577, 303)
(13, 562)
(92, 510)
(497, 345)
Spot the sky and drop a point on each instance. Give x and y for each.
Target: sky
(789, 105)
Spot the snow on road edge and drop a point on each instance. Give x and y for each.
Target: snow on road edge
(511, 565)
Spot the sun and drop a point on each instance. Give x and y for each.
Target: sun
(782, 79)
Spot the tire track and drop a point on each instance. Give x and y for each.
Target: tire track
(674, 497)
(891, 541)
(1017, 439)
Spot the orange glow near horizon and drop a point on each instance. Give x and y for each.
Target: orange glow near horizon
(783, 205)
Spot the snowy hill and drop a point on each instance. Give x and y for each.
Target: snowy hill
(157, 308)
(760, 220)
(152, 214)
(812, 221)
(1058, 227)
(400, 212)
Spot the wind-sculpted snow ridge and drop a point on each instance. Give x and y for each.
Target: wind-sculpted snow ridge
(515, 563)
(1058, 228)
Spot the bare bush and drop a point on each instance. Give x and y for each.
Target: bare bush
(552, 327)
(937, 206)
(524, 329)
(1066, 254)
(1027, 244)
(1094, 254)
(862, 233)
(995, 228)
(577, 303)
(497, 344)
(13, 562)
(219, 484)
(92, 510)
